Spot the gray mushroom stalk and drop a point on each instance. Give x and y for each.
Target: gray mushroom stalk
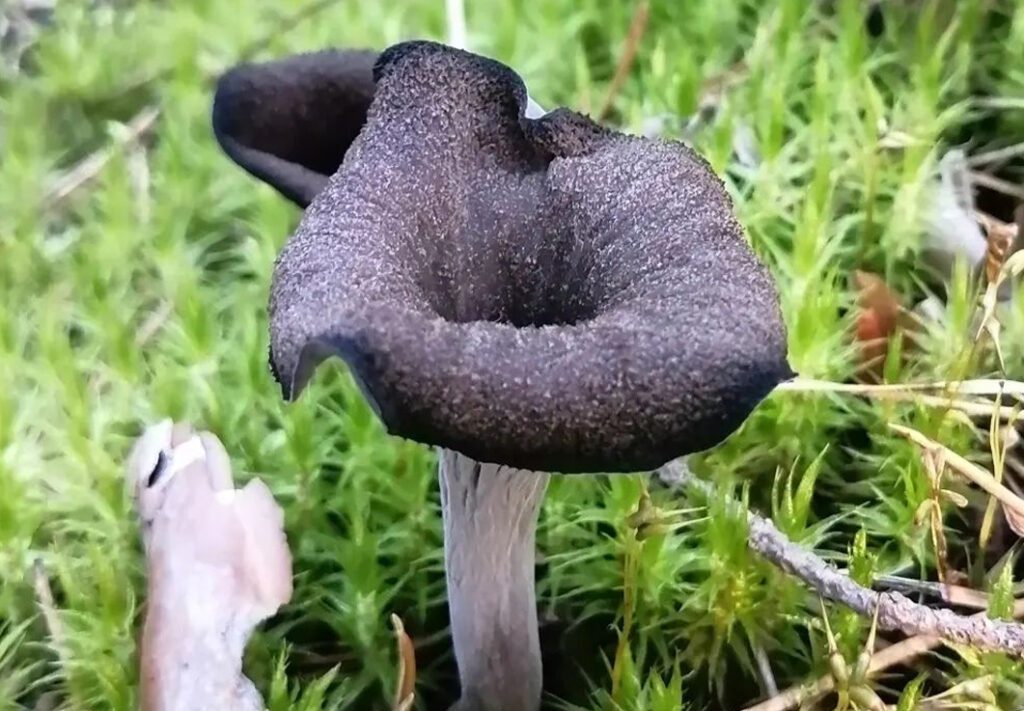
(529, 295)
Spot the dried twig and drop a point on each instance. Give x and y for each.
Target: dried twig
(895, 612)
(962, 466)
(44, 598)
(997, 155)
(89, 167)
(92, 165)
(998, 184)
(636, 33)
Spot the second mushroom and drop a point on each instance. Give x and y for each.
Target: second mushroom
(528, 295)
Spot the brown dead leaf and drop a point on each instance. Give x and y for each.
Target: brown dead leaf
(1001, 241)
(880, 318)
(875, 296)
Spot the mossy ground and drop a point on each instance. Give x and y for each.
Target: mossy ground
(142, 296)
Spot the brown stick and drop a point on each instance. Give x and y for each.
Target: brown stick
(895, 611)
(636, 33)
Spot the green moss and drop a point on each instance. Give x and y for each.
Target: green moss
(176, 243)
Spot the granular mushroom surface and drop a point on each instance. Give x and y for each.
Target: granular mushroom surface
(543, 293)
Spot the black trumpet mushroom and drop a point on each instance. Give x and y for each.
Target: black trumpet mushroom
(529, 295)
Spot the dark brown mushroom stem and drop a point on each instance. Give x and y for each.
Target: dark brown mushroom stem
(490, 520)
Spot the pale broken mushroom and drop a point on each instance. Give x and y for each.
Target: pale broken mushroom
(217, 564)
(529, 295)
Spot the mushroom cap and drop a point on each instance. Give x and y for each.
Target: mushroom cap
(546, 294)
(290, 122)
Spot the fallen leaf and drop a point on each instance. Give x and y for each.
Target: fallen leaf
(880, 317)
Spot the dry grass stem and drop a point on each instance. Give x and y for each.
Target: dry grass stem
(998, 184)
(636, 32)
(48, 608)
(991, 387)
(405, 687)
(971, 471)
(92, 165)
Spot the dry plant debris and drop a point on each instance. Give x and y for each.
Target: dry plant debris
(217, 564)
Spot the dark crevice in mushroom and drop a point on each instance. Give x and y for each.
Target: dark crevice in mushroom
(529, 295)
(158, 469)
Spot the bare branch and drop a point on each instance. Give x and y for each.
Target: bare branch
(895, 611)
